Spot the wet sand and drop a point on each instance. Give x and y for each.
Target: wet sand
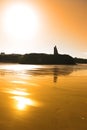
(43, 97)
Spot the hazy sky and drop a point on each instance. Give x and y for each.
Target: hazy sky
(28, 26)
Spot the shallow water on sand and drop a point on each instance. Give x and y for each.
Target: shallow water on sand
(43, 97)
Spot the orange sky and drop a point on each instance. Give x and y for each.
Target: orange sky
(60, 22)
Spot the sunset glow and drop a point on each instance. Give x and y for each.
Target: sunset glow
(20, 21)
(43, 64)
(30, 26)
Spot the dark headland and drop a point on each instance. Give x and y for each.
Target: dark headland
(41, 58)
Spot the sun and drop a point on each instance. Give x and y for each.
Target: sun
(20, 21)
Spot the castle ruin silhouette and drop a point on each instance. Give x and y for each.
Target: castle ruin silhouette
(55, 50)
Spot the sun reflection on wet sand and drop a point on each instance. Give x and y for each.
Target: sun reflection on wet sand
(18, 82)
(17, 67)
(19, 92)
(21, 101)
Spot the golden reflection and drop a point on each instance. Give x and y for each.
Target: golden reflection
(23, 102)
(18, 82)
(18, 67)
(20, 93)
